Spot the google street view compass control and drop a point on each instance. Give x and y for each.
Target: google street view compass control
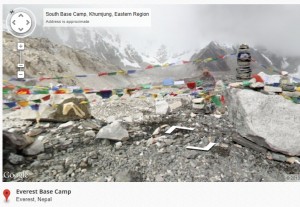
(20, 22)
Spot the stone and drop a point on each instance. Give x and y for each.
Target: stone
(169, 142)
(46, 125)
(111, 119)
(198, 100)
(68, 161)
(44, 156)
(129, 176)
(89, 133)
(161, 107)
(13, 130)
(198, 106)
(86, 124)
(291, 94)
(291, 160)
(35, 148)
(118, 145)
(219, 87)
(269, 121)
(70, 102)
(156, 131)
(257, 85)
(66, 125)
(191, 154)
(161, 138)
(150, 141)
(34, 132)
(128, 119)
(193, 115)
(83, 164)
(278, 157)
(209, 108)
(175, 105)
(16, 159)
(246, 143)
(113, 131)
(217, 116)
(272, 89)
(15, 141)
(235, 85)
(159, 178)
(223, 145)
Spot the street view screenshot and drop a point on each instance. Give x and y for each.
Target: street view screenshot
(95, 97)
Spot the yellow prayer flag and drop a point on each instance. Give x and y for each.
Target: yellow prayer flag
(121, 72)
(23, 103)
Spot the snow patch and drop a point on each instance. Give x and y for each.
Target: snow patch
(267, 58)
(127, 63)
(284, 63)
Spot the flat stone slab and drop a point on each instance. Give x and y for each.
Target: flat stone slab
(270, 121)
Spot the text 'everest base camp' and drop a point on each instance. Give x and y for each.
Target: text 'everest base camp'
(177, 120)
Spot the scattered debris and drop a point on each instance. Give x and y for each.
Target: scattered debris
(113, 131)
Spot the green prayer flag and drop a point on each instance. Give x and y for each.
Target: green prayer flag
(216, 101)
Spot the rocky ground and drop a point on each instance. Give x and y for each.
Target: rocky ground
(74, 151)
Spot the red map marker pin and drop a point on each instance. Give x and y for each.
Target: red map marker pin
(6, 194)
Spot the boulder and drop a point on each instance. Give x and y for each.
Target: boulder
(113, 131)
(16, 159)
(162, 107)
(16, 141)
(34, 132)
(59, 108)
(35, 148)
(270, 121)
(175, 105)
(13, 142)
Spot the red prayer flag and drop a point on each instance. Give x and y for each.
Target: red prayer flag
(257, 78)
(46, 98)
(102, 73)
(23, 91)
(149, 67)
(191, 85)
(222, 99)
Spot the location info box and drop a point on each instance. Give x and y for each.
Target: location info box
(97, 17)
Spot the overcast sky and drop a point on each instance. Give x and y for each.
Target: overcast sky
(276, 27)
(185, 27)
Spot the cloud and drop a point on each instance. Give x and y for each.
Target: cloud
(188, 26)
(185, 27)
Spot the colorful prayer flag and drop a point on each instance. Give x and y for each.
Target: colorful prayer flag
(23, 91)
(11, 104)
(23, 103)
(46, 98)
(35, 107)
